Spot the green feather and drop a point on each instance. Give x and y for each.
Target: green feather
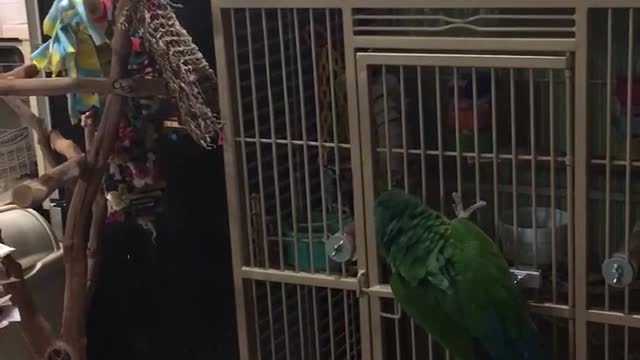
(426, 305)
(446, 273)
(484, 279)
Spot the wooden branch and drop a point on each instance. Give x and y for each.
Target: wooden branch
(64, 146)
(89, 137)
(99, 215)
(99, 212)
(140, 87)
(26, 71)
(35, 328)
(78, 221)
(35, 123)
(33, 193)
(63, 86)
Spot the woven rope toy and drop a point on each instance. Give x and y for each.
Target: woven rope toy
(191, 81)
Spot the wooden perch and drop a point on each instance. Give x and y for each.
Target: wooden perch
(35, 123)
(64, 146)
(77, 228)
(72, 344)
(36, 329)
(26, 71)
(89, 137)
(63, 86)
(33, 193)
(99, 215)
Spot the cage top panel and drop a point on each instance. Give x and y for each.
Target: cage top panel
(452, 4)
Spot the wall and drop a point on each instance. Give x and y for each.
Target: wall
(13, 19)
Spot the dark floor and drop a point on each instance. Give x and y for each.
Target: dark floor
(173, 300)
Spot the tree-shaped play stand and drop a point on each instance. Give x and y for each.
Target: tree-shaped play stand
(186, 78)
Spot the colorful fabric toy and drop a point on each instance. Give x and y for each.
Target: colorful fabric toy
(72, 48)
(133, 184)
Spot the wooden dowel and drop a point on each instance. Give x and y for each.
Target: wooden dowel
(63, 86)
(89, 124)
(99, 215)
(33, 193)
(26, 71)
(89, 137)
(78, 223)
(64, 146)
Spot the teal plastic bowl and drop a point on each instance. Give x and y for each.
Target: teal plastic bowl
(468, 141)
(312, 246)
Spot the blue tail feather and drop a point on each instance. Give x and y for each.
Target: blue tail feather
(479, 351)
(495, 344)
(530, 346)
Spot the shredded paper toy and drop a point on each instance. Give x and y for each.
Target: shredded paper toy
(8, 312)
(5, 250)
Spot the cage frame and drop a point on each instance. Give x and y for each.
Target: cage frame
(577, 50)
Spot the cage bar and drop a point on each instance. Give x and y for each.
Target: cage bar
(607, 220)
(476, 146)
(423, 158)
(514, 169)
(386, 126)
(552, 184)
(403, 124)
(627, 214)
(242, 147)
(494, 147)
(457, 126)
(440, 138)
(532, 136)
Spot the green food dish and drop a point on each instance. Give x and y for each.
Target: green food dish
(312, 245)
(467, 141)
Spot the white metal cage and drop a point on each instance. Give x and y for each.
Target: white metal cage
(17, 156)
(17, 149)
(531, 107)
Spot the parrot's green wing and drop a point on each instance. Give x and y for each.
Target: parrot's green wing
(463, 291)
(425, 305)
(484, 281)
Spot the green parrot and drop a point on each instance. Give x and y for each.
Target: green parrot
(450, 278)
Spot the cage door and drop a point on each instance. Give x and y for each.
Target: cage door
(493, 128)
